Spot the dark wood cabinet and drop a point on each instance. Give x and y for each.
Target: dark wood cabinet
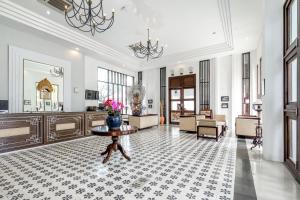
(19, 131)
(63, 126)
(94, 119)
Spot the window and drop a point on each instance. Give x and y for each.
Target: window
(163, 92)
(246, 83)
(204, 84)
(114, 85)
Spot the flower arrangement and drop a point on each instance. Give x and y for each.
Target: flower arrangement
(113, 108)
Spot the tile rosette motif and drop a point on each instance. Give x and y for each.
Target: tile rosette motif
(165, 165)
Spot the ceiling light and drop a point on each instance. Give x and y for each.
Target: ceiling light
(247, 38)
(88, 16)
(149, 50)
(77, 49)
(48, 12)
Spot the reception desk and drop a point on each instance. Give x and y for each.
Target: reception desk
(22, 130)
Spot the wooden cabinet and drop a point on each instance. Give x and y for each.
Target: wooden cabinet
(93, 119)
(63, 126)
(19, 131)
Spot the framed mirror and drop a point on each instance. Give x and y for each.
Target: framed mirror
(43, 87)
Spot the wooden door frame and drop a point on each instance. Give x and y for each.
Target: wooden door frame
(291, 52)
(181, 87)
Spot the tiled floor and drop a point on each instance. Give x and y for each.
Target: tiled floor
(166, 164)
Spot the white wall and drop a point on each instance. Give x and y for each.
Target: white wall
(223, 86)
(151, 81)
(272, 70)
(83, 68)
(35, 42)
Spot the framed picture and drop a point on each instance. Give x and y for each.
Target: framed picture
(150, 101)
(150, 106)
(27, 102)
(224, 105)
(225, 98)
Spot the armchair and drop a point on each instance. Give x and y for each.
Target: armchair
(210, 128)
(189, 122)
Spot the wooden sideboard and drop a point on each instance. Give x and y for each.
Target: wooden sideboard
(19, 131)
(93, 119)
(23, 130)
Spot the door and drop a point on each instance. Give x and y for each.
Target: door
(291, 87)
(182, 95)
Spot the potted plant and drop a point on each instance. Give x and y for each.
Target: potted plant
(162, 118)
(113, 109)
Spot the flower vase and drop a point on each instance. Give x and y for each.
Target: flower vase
(113, 122)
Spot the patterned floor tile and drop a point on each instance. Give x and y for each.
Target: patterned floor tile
(166, 164)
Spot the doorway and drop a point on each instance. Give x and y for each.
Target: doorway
(182, 97)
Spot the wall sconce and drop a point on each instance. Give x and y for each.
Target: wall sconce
(181, 71)
(191, 69)
(172, 72)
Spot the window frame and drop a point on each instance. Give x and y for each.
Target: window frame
(117, 80)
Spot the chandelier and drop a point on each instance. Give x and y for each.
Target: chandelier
(149, 51)
(88, 16)
(57, 72)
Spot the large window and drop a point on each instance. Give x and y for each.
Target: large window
(204, 84)
(246, 83)
(114, 85)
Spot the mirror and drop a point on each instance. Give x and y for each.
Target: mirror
(43, 87)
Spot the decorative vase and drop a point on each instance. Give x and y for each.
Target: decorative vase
(113, 122)
(162, 120)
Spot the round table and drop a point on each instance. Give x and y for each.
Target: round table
(115, 145)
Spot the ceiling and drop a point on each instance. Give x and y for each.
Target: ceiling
(189, 30)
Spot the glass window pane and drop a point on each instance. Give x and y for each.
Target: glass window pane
(115, 92)
(189, 105)
(110, 90)
(292, 84)
(175, 94)
(175, 116)
(293, 21)
(103, 91)
(293, 140)
(124, 95)
(188, 93)
(102, 74)
(175, 105)
(120, 93)
(129, 80)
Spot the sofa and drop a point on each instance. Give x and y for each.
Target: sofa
(189, 122)
(246, 126)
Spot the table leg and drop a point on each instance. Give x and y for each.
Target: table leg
(114, 146)
(123, 152)
(108, 153)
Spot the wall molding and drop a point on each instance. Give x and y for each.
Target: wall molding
(16, 76)
(22, 15)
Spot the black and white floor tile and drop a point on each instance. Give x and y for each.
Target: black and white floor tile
(166, 164)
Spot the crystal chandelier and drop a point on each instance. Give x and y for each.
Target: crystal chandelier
(88, 16)
(149, 51)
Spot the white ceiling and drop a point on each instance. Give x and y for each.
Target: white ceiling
(185, 26)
